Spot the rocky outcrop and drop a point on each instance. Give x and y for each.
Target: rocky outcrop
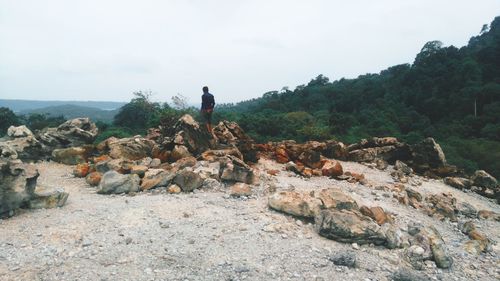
(388, 149)
(74, 132)
(72, 155)
(134, 148)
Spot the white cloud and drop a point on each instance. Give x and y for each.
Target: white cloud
(105, 50)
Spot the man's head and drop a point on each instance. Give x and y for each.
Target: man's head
(205, 89)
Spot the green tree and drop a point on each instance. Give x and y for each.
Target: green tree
(8, 118)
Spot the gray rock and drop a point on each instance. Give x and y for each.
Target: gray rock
(188, 180)
(482, 179)
(113, 182)
(344, 259)
(18, 182)
(46, 198)
(405, 275)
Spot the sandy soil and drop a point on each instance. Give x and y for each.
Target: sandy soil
(207, 235)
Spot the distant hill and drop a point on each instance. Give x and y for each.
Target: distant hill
(23, 105)
(70, 111)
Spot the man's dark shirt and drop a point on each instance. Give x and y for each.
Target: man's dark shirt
(207, 101)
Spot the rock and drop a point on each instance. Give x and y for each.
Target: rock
(381, 164)
(456, 182)
(401, 166)
(214, 155)
(482, 179)
(312, 159)
(334, 198)
(174, 189)
(94, 178)
(295, 203)
(481, 242)
(179, 152)
(155, 178)
(281, 155)
(348, 226)
(113, 182)
(188, 180)
(24, 148)
(188, 133)
(467, 210)
(376, 213)
(443, 205)
(344, 259)
(293, 167)
(336, 150)
(155, 163)
(134, 148)
(81, 170)
(427, 155)
(412, 193)
(240, 189)
(486, 214)
(231, 134)
(19, 132)
(45, 198)
(332, 168)
(395, 238)
(18, 182)
(123, 166)
(233, 169)
(72, 133)
(405, 275)
(139, 170)
(432, 242)
(182, 163)
(211, 184)
(72, 155)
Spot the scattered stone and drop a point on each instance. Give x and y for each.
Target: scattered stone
(240, 189)
(139, 170)
(344, 259)
(173, 189)
(154, 178)
(482, 179)
(295, 203)
(376, 213)
(72, 155)
(405, 275)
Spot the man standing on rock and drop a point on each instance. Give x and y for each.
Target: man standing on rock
(207, 107)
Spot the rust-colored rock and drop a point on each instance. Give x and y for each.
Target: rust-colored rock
(332, 168)
(81, 170)
(93, 178)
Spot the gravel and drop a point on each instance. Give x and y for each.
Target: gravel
(208, 235)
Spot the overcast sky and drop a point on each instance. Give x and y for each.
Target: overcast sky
(106, 49)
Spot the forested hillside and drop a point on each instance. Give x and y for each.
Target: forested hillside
(449, 93)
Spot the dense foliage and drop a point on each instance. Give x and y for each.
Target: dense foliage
(449, 93)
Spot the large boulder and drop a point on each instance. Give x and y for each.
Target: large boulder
(113, 182)
(74, 132)
(134, 148)
(482, 179)
(18, 189)
(21, 143)
(368, 150)
(308, 204)
(295, 203)
(349, 226)
(457, 182)
(427, 155)
(187, 132)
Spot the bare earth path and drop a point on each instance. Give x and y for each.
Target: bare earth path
(208, 236)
